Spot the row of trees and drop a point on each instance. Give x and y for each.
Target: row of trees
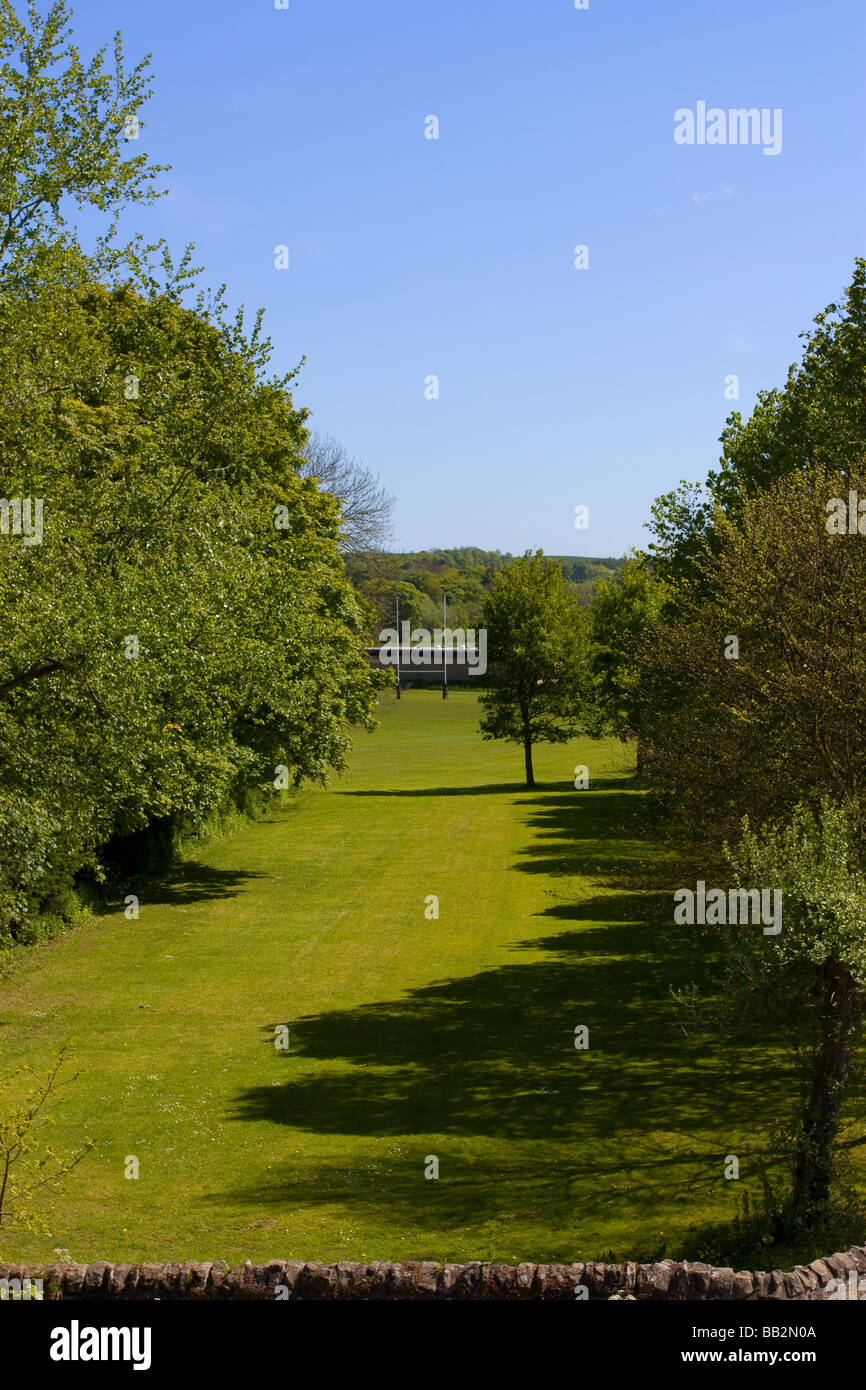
(745, 689)
(733, 655)
(182, 626)
(420, 581)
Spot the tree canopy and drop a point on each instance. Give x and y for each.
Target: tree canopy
(537, 653)
(179, 629)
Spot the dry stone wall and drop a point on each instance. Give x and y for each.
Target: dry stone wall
(294, 1279)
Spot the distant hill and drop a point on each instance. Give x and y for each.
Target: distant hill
(420, 579)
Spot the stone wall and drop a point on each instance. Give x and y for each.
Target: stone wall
(294, 1279)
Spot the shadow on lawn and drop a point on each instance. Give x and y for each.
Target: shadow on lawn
(487, 789)
(591, 832)
(193, 882)
(642, 1118)
(492, 1054)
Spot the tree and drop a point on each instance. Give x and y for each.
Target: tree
(751, 681)
(812, 974)
(537, 650)
(365, 506)
(383, 595)
(68, 132)
(28, 1163)
(181, 634)
(619, 613)
(185, 627)
(817, 419)
(682, 526)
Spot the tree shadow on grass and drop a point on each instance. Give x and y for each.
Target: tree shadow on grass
(641, 1119)
(493, 1054)
(487, 789)
(193, 882)
(541, 1208)
(582, 832)
(641, 1122)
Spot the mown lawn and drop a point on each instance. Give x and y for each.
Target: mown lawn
(409, 1037)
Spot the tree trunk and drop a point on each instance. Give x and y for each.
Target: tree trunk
(527, 742)
(527, 758)
(819, 1125)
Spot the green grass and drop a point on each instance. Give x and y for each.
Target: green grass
(409, 1037)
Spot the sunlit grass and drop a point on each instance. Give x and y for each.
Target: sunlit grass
(410, 1036)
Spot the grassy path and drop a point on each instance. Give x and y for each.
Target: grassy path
(409, 1036)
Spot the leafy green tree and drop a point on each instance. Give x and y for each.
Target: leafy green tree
(620, 612)
(30, 1166)
(383, 595)
(811, 974)
(817, 419)
(429, 584)
(185, 627)
(69, 132)
(682, 527)
(181, 632)
(537, 652)
(751, 680)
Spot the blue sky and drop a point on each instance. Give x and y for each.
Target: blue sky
(411, 257)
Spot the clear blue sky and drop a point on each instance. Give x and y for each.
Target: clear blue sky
(454, 257)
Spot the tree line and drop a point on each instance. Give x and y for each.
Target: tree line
(421, 580)
(731, 653)
(182, 633)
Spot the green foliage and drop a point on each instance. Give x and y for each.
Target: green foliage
(818, 419)
(463, 575)
(63, 127)
(383, 596)
(768, 1233)
(781, 721)
(620, 612)
(163, 523)
(749, 699)
(183, 626)
(813, 860)
(811, 975)
(29, 1164)
(584, 572)
(682, 526)
(537, 654)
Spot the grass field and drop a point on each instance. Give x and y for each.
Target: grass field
(409, 1036)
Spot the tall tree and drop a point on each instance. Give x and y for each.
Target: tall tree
(751, 683)
(184, 626)
(812, 975)
(537, 653)
(620, 612)
(817, 418)
(178, 625)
